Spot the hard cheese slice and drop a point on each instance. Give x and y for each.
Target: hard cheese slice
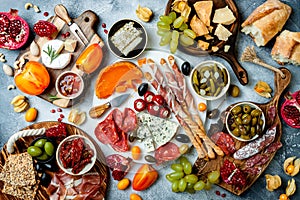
(162, 130)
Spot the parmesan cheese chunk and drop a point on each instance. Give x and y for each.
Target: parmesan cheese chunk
(224, 16)
(203, 10)
(203, 45)
(222, 33)
(70, 45)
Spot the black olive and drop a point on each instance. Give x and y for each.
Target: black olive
(51, 166)
(142, 89)
(182, 138)
(213, 113)
(45, 179)
(39, 167)
(186, 68)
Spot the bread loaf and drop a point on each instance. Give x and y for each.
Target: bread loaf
(266, 21)
(287, 48)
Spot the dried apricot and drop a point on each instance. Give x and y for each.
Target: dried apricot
(123, 184)
(31, 114)
(134, 196)
(136, 152)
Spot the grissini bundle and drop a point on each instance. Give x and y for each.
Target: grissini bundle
(266, 21)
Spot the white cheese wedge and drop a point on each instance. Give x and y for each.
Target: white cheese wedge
(223, 16)
(70, 45)
(162, 130)
(61, 61)
(222, 33)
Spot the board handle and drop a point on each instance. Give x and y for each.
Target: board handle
(62, 13)
(98, 111)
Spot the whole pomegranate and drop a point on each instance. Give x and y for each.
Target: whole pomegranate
(14, 30)
(290, 109)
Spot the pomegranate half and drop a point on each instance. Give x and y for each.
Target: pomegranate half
(14, 30)
(290, 109)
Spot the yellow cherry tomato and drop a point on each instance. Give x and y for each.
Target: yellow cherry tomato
(135, 196)
(290, 169)
(283, 197)
(201, 107)
(31, 114)
(136, 152)
(123, 184)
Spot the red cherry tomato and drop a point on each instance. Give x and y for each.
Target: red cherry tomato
(164, 112)
(148, 96)
(153, 109)
(140, 105)
(158, 99)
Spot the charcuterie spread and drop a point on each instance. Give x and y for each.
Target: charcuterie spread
(174, 100)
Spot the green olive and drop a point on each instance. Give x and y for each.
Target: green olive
(255, 113)
(242, 129)
(260, 122)
(40, 143)
(253, 121)
(49, 148)
(236, 132)
(233, 126)
(238, 121)
(247, 119)
(234, 91)
(247, 127)
(44, 156)
(34, 151)
(253, 131)
(247, 109)
(245, 137)
(236, 110)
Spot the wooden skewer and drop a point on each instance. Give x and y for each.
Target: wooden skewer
(249, 55)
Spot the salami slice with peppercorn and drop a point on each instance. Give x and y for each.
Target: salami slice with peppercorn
(224, 141)
(257, 145)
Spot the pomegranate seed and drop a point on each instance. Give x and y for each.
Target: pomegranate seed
(67, 34)
(61, 116)
(59, 110)
(63, 35)
(46, 14)
(105, 31)
(52, 111)
(223, 195)
(103, 25)
(218, 192)
(59, 119)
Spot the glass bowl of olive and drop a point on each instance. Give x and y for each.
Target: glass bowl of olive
(42, 149)
(245, 121)
(210, 80)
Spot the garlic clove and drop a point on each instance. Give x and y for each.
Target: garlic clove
(8, 70)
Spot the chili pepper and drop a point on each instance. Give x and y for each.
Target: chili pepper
(148, 96)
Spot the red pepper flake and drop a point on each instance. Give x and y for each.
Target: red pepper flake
(61, 116)
(46, 14)
(105, 31)
(59, 110)
(223, 195)
(52, 111)
(59, 119)
(218, 193)
(103, 25)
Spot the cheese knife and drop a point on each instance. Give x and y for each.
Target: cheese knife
(62, 13)
(98, 111)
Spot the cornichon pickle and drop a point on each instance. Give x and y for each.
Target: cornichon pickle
(195, 78)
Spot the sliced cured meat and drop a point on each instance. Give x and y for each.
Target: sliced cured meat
(106, 131)
(122, 144)
(257, 145)
(126, 121)
(273, 147)
(253, 170)
(224, 141)
(258, 159)
(167, 152)
(119, 165)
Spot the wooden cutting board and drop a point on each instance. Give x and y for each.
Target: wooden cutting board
(22, 144)
(229, 56)
(86, 21)
(202, 167)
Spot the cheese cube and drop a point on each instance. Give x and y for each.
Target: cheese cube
(70, 45)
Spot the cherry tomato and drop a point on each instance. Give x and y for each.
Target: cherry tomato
(140, 105)
(201, 107)
(136, 152)
(134, 196)
(283, 197)
(158, 99)
(123, 184)
(148, 96)
(164, 112)
(153, 109)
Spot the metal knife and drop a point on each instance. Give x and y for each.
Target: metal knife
(62, 13)
(97, 111)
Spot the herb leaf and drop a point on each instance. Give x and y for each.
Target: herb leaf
(53, 97)
(51, 53)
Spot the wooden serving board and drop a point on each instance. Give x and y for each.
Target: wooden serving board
(22, 144)
(229, 56)
(86, 21)
(202, 167)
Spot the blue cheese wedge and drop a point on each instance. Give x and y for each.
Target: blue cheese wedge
(143, 132)
(149, 144)
(162, 130)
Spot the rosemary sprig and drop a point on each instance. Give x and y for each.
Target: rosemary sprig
(53, 97)
(51, 53)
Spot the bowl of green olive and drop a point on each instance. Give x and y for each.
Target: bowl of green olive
(210, 80)
(245, 121)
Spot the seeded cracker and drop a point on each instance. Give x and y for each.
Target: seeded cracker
(18, 170)
(22, 192)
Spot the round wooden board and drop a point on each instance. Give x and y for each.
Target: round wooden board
(22, 144)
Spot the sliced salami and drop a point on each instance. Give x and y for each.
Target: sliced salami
(273, 147)
(224, 141)
(167, 152)
(253, 170)
(257, 145)
(258, 159)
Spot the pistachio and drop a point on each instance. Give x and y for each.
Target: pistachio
(8, 70)
(291, 187)
(143, 13)
(291, 166)
(34, 49)
(272, 182)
